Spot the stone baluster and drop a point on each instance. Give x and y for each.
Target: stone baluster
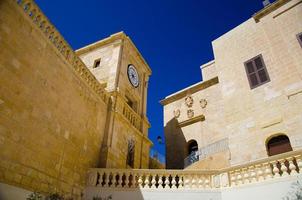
(119, 181)
(200, 182)
(113, 181)
(238, 177)
(133, 181)
(292, 166)
(193, 182)
(283, 167)
(160, 181)
(107, 179)
(167, 182)
(153, 181)
(147, 181)
(173, 182)
(187, 181)
(140, 180)
(127, 181)
(267, 171)
(259, 172)
(275, 169)
(246, 175)
(207, 182)
(232, 178)
(253, 174)
(180, 182)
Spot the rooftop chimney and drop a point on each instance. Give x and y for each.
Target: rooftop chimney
(266, 3)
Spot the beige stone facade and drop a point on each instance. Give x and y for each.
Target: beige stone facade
(60, 116)
(224, 105)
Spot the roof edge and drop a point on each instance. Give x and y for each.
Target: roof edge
(268, 9)
(189, 90)
(119, 35)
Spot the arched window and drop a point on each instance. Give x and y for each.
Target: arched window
(192, 146)
(192, 153)
(278, 144)
(130, 153)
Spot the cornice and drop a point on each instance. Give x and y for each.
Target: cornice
(190, 90)
(191, 121)
(118, 39)
(268, 9)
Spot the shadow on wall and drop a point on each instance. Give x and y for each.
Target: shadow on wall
(175, 145)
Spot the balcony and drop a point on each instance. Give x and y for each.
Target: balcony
(128, 113)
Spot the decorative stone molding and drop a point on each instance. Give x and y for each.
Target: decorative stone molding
(176, 113)
(189, 101)
(158, 179)
(191, 121)
(43, 24)
(203, 103)
(190, 113)
(190, 90)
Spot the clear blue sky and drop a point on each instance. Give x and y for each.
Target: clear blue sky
(174, 36)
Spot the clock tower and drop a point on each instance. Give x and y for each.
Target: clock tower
(123, 72)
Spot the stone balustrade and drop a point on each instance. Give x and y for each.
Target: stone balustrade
(39, 20)
(128, 113)
(287, 164)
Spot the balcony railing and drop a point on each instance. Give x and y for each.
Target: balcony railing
(283, 165)
(128, 113)
(40, 21)
(202, 153)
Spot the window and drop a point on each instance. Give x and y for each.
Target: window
(299, 37)
(97, 63)
(256, 71)
(130, 153)
(277, 145)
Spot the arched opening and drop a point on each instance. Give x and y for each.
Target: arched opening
(192, 146)
(193, 156)
(130, 153)
(278, 144)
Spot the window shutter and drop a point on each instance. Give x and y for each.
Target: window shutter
(256, 71)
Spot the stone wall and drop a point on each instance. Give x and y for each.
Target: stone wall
(51, 120)
(253, 115)
(247, 117)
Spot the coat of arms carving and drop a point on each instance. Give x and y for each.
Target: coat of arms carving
(176, 113)
(189, 101)
(203, 103)
(190, 113)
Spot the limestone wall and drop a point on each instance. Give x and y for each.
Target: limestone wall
(247, 117)
(51, 120)
(253, 115)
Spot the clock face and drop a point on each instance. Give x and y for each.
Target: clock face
(133, 75)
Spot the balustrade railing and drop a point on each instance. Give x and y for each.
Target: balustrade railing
(146, 178)
(128, 113)
(287, 164)
(39, 20)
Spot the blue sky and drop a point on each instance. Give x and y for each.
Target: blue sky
(174, 36)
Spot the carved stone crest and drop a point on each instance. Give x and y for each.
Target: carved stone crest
(176, 113)
(189, 101)
(190, 113)
(203, 103)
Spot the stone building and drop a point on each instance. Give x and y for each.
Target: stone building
(74, 122)
(249, 104)
(63, 112)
